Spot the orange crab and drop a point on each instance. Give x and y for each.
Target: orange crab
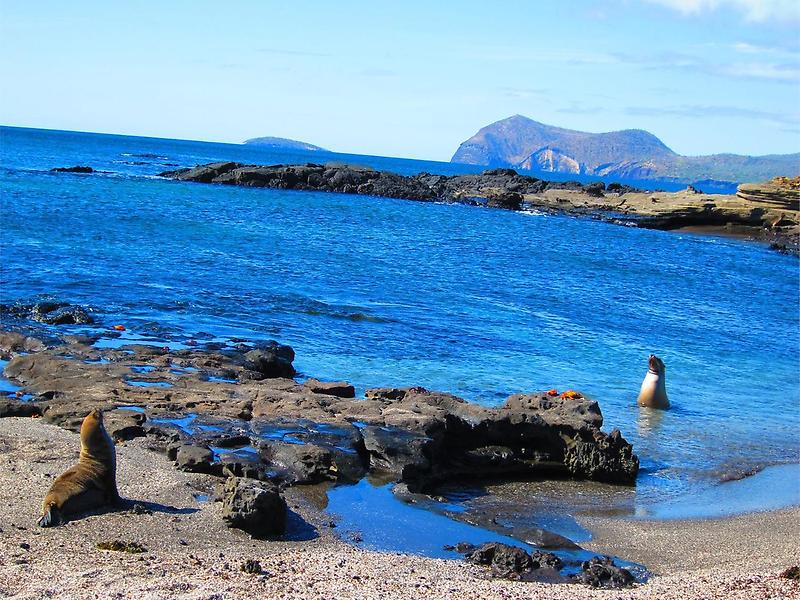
(553, 392)
(571, 395)
(119, 327)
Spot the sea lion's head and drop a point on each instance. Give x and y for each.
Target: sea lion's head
(656, 365)
(92, 422)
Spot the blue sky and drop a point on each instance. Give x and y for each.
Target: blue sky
(410, 79)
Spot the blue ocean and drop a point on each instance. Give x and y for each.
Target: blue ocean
(479, 302)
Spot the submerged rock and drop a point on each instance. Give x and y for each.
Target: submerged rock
(254, 506)
(52, 313)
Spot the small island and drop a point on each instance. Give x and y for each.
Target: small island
(279, 143)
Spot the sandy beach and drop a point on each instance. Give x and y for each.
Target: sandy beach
(191, 554)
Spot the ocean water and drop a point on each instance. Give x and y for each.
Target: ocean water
(478, 302)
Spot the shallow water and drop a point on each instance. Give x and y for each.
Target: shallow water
(481, 303)
(372, 514)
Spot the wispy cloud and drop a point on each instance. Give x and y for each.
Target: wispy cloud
(752, 10)
(290, 52)
(518, 55)
(707, 111)
(783, 70)
(577, 108)
(518, 92)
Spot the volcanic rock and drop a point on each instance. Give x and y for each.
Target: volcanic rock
(254, 506)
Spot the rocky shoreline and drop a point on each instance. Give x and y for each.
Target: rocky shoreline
(243, 397)
(766, 212)
(233, 414)
(234, 411)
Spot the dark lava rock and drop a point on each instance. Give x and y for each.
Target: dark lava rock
(271, 360)
(341, 389)
(75, 169)
(792, 573)
(124, 424)
(195, 459)
(303, 463)
(312, 463)
(429, 437)
(595, 189)
(203, 174)
(50, 312)
(11, 341)
(506, 200)
(397, 451)
(254, 506)
(251, 567)
(546, 560)
(15, 408)
(461, 547)
(68, 315)
(501, 171)
(601, 572)
(505, 561)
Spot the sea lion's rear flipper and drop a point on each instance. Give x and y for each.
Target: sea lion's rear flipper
(51, 517)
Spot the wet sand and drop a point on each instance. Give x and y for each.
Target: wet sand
(191, 554)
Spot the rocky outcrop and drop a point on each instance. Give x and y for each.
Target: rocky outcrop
(254, 506)
(763, 212)
(75, 169)
(781, 193)
(298, 433)
(271, 360)
(52, 313)
(497, 188)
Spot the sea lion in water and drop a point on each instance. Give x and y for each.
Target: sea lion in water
(653, 393)
(89, 484)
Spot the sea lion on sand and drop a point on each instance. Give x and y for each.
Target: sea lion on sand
(89, 484)
(653, 393)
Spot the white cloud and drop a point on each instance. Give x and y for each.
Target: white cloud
(753, 10)
(786, 73)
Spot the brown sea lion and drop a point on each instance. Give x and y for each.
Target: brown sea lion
(653, 393)
(91, 483)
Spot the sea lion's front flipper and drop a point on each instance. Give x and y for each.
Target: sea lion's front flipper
(51, 517)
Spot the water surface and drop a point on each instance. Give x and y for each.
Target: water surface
(482, 303)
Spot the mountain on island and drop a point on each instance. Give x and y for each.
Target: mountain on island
(522, 143)
(283, 144)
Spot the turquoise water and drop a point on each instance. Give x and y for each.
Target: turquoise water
(482, 303)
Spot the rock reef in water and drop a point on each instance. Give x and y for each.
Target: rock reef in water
(75, 169)
(766, 212)
(303, 433)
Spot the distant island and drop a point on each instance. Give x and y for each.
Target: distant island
(284, 144)
(522, 143)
